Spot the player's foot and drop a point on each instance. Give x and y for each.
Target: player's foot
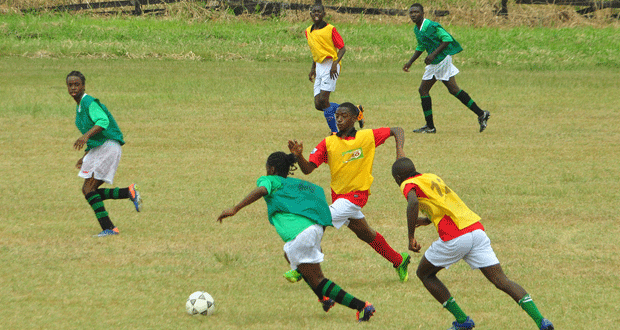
(546, 325)
(401, 270)
(467, 325)
(108, 232)
(293, 276)
(360, 118)
(134, 195)
(425, 129)
(327, 303)
(482, 120)
(365, 314)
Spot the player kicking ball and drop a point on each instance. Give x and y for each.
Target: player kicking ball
(461, 237)
(298, 211)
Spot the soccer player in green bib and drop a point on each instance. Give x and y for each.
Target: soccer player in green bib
(461, 237)
(103, 140)
(440, 46)
(299, 212)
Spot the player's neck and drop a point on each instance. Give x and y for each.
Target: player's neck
(318, 25)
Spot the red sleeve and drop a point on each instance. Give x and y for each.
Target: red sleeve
(418, 191)
(318, 156)
(337, 39)
(381, 134)
(306, 33)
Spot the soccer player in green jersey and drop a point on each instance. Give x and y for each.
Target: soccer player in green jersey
(103, 140)
(440, 46)
(461, 237)
(298, 211)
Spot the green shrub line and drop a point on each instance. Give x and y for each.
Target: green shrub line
(65, 35)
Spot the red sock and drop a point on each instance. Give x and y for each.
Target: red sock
(384, 249)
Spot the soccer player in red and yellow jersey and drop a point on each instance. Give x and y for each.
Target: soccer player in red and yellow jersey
(461, 236)
(327, 48)
(350, 156)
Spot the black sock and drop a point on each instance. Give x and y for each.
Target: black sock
(115, 193)
(96, 203)
(317, 292)
(332, 290)
(427, 107)
(465, 99)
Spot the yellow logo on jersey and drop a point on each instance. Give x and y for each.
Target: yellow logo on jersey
(351, 155)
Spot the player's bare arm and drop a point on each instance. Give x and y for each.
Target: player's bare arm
(413, 58)
(431, 57)
(312, 73)
(81, 142)
(399, 135)
(333, 73)
(297, 149)
(412, 220)
(252, 197)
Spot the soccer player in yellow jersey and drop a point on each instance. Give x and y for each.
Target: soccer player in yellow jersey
(327, 48)
(461, 236)
(350, 156)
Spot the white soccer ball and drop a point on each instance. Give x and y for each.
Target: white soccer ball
(201, 303)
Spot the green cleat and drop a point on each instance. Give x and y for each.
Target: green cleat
(402, 269)
(293, 276)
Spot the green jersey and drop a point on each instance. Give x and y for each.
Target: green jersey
(431, 35)
(91, 112)
(294, 205)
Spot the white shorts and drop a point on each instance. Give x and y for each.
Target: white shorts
(322, 81)
(342, 210)
(474, 248)
(306, 247)
(101, 162)
(441, 71)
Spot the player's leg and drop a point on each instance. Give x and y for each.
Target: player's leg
(427, 105)
(461, 95)
(496, 275)
(89, 189)
(323, 86)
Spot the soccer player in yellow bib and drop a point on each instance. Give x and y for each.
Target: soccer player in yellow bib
(461, 237)
(350, 156)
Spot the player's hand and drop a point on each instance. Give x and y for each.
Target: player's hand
(78, 165)
(333, 73)
(406, 67)
(226, 213)
(312, 75)
(414, 245)
(296, 148)
(429, 59)
(79, 143)
(422, 221)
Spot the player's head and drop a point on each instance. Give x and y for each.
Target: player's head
(76, 85)
(317, 12)
(416, 13)
(346, 116)
(403, 169)
(280, 163)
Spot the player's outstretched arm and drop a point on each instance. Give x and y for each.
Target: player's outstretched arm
(413, 58)
(252, 197)
(297, 149)
(412, 220)
(399, 135)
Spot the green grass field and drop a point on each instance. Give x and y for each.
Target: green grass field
(544, 177)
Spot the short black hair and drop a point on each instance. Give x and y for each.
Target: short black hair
(418, 6)
(77, 74)
(404, 168)
(282, 162)
(353, 110)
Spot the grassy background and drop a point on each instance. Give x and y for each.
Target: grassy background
(544, 176)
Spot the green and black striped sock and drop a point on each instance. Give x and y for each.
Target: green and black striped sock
(427, 107)
(114, 193)
(466, 99)
(332, 290)
(96, 203)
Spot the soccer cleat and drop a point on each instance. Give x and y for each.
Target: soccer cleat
(425, 129)
(401, 270)
(293, 276)
(360, 117)
(134, 195)
(108, 232)
(366, 312)
(327, 303)
(482, 120)
(546, 325)
(467, 325)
